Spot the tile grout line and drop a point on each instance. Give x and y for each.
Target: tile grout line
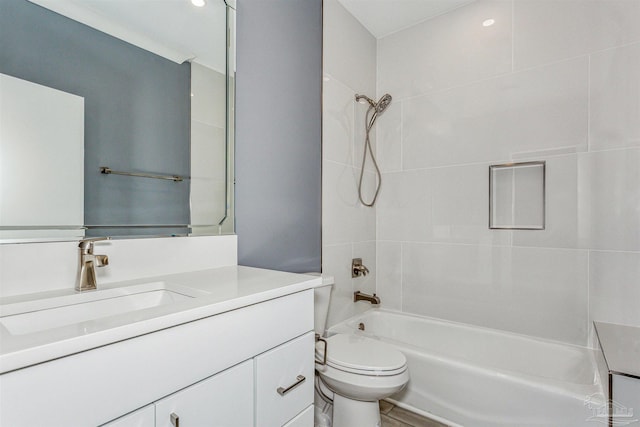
(401, 135)
(513, 35)
(506, 245)
(402, 105)
(487, 245)
(498, 75)
(589, 103)
(352, 142)
(589, 321)
(401, 277)
(516, 71)
(505, 160)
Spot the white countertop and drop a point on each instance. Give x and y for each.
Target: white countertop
(621, 347)
(218, 290)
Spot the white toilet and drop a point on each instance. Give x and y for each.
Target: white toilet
(359, 371)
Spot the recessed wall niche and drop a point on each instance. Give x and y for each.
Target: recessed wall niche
(517, 196)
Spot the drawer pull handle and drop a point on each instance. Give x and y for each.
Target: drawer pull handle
(175, 419)
(299, 380)
(324, 353)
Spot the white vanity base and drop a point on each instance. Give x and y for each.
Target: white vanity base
(249, 351)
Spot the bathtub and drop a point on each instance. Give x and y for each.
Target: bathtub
(471, 376)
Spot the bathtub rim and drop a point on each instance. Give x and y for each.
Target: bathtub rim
(461, 325)
(549, 384)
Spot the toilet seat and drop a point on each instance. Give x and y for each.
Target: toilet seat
(363, 356)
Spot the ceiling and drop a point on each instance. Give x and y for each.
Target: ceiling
(383, 17)
(174, 29)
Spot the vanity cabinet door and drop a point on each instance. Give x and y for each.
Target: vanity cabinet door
(303, 419)
(284, 381)
(224, 400)
(144, 417)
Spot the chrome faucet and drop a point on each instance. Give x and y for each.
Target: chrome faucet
(360, 296)
(88, 263)
(357, 268)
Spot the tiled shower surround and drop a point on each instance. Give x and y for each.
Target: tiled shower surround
(348, 227)
(555, 80)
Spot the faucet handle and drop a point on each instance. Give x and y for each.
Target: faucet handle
(87, 244)
(101, 260)
(357, 268)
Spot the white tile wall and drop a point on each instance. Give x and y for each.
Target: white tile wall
(609, 199)
(437, 205)
(389, 274)
(360, 134)
(563, 228)
(535, 291)
(614, 293)
(336, 262)
(389, 138)
(493, 119)
(615, 98)
(548, 31)
(345, 219)
(337, 121)
(551, 80)
(561, 83)
(447, 51)
(348, 227)
(348, 49)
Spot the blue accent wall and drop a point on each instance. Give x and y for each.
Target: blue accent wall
(279, 134)
(137, 111)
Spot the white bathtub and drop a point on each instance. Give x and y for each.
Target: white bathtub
(472, 376)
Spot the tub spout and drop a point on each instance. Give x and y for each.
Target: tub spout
(359, 296)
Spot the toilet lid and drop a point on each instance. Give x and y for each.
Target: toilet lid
(363, 354)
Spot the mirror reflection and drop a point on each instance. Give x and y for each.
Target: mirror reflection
(138, 87)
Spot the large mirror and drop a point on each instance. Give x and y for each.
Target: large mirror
(116, 118)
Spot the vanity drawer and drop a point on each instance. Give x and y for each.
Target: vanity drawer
(303, 419)
(143, 417)
(284, 381)
(224, 400)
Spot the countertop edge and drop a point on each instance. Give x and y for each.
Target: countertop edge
(620, 346)
(37, 354)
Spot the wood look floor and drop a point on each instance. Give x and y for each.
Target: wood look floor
(392, 416)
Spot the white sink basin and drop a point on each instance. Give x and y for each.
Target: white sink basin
(39, 315)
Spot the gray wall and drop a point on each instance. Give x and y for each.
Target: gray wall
(278, 134)
(137, 111)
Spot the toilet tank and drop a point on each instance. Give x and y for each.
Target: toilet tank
(321, 298)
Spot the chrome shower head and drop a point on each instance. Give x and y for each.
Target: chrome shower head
(383, 103)
(370, 120)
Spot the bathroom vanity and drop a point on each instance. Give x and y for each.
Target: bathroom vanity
(232, 347)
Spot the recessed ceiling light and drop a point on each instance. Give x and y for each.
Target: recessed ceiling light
(488, 22)
(198, 3)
